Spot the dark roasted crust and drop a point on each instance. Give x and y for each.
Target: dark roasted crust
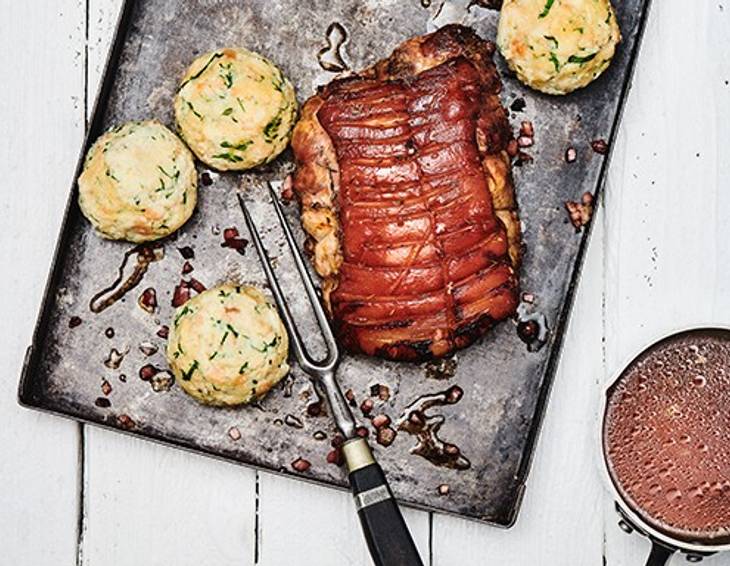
(396, 287)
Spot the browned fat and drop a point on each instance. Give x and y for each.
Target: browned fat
(667, 436)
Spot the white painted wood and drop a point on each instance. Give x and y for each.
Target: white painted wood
(149, 504)
(561, 521)
(308, 524)
(42, 119)
(668, 208)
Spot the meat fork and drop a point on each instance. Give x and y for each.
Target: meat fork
(388, 539)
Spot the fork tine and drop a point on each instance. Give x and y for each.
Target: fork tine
(291, 327)
(306, 278)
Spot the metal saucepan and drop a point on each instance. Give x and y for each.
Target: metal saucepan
(664, 544)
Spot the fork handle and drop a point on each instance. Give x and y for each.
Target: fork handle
(386, 533)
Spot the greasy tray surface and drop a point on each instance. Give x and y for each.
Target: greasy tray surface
(505, 385)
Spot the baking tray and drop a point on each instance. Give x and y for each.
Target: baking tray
(505, 384)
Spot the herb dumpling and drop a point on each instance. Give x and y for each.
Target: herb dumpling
(558, 46)
(138, 183)
(235, 109)
(227, 346)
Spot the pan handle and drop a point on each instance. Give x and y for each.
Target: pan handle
(659, 555)
(386, 532)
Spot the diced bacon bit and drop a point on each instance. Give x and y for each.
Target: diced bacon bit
(181, 294)
(528, 298)
(526, 129)
(163, 332)
(367, 406)
(350, 396)
(524, 141)
(362, 432)
(600, 146)
(74, 321)
(287, 189)
(187, 252)
(230, 234)
(580, 213)
(234, 433)
(103, 402)
(519, 104)
(301, 465)
(512, 148)
(314, 409)
(196, 285)
(147, 372)
(126, 422)
(106, 387)
(187, 267)
(523, 158)
(335, 457)
(570, 154)
(386, 436)
(205, 179)
(443, 489)
(148, 300)
(337, 440)
(231, 240)
(380, 421)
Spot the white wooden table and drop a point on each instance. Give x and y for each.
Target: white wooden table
(659, 258)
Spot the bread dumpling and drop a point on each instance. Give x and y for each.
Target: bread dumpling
(235, 109)
(558, 46)
(138, 182)
(227, 346)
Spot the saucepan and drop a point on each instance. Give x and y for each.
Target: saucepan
(665, 443)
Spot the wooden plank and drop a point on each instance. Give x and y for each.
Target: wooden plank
(311, 524)
(668, 208)
(43, 121)
(560, 521)
(148, 504)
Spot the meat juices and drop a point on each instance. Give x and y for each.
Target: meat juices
(666, 436)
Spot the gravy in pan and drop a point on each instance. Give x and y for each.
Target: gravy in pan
(666, 436)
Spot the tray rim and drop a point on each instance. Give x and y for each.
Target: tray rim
(94, 128)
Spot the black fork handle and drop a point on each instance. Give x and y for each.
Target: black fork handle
(386, 532)
(659, 555)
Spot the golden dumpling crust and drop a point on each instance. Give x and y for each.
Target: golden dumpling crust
(558, 46)
(235, 109)
(139, 182)
(228, 346)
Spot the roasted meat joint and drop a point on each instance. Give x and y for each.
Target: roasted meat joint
(407, 197)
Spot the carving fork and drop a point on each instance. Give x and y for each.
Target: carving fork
(389, 541)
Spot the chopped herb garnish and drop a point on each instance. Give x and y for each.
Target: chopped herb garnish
(243, 368)
(553, 42)
(580, 60)
(240, 146)
(213, 57)
(185, 310)
(233, 330)
(188, 374)
(240, 103)
(213, 355)
(546, 9)
(271, 130)
(555, 61)
(227, 112)
(225, 335)
(226, 74)
(192, 108)
(228, 156)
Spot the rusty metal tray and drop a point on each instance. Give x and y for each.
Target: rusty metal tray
(506, 386)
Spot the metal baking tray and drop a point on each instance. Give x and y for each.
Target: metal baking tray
(505, 385)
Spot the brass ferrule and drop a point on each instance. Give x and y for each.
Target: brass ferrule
(357, 454)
